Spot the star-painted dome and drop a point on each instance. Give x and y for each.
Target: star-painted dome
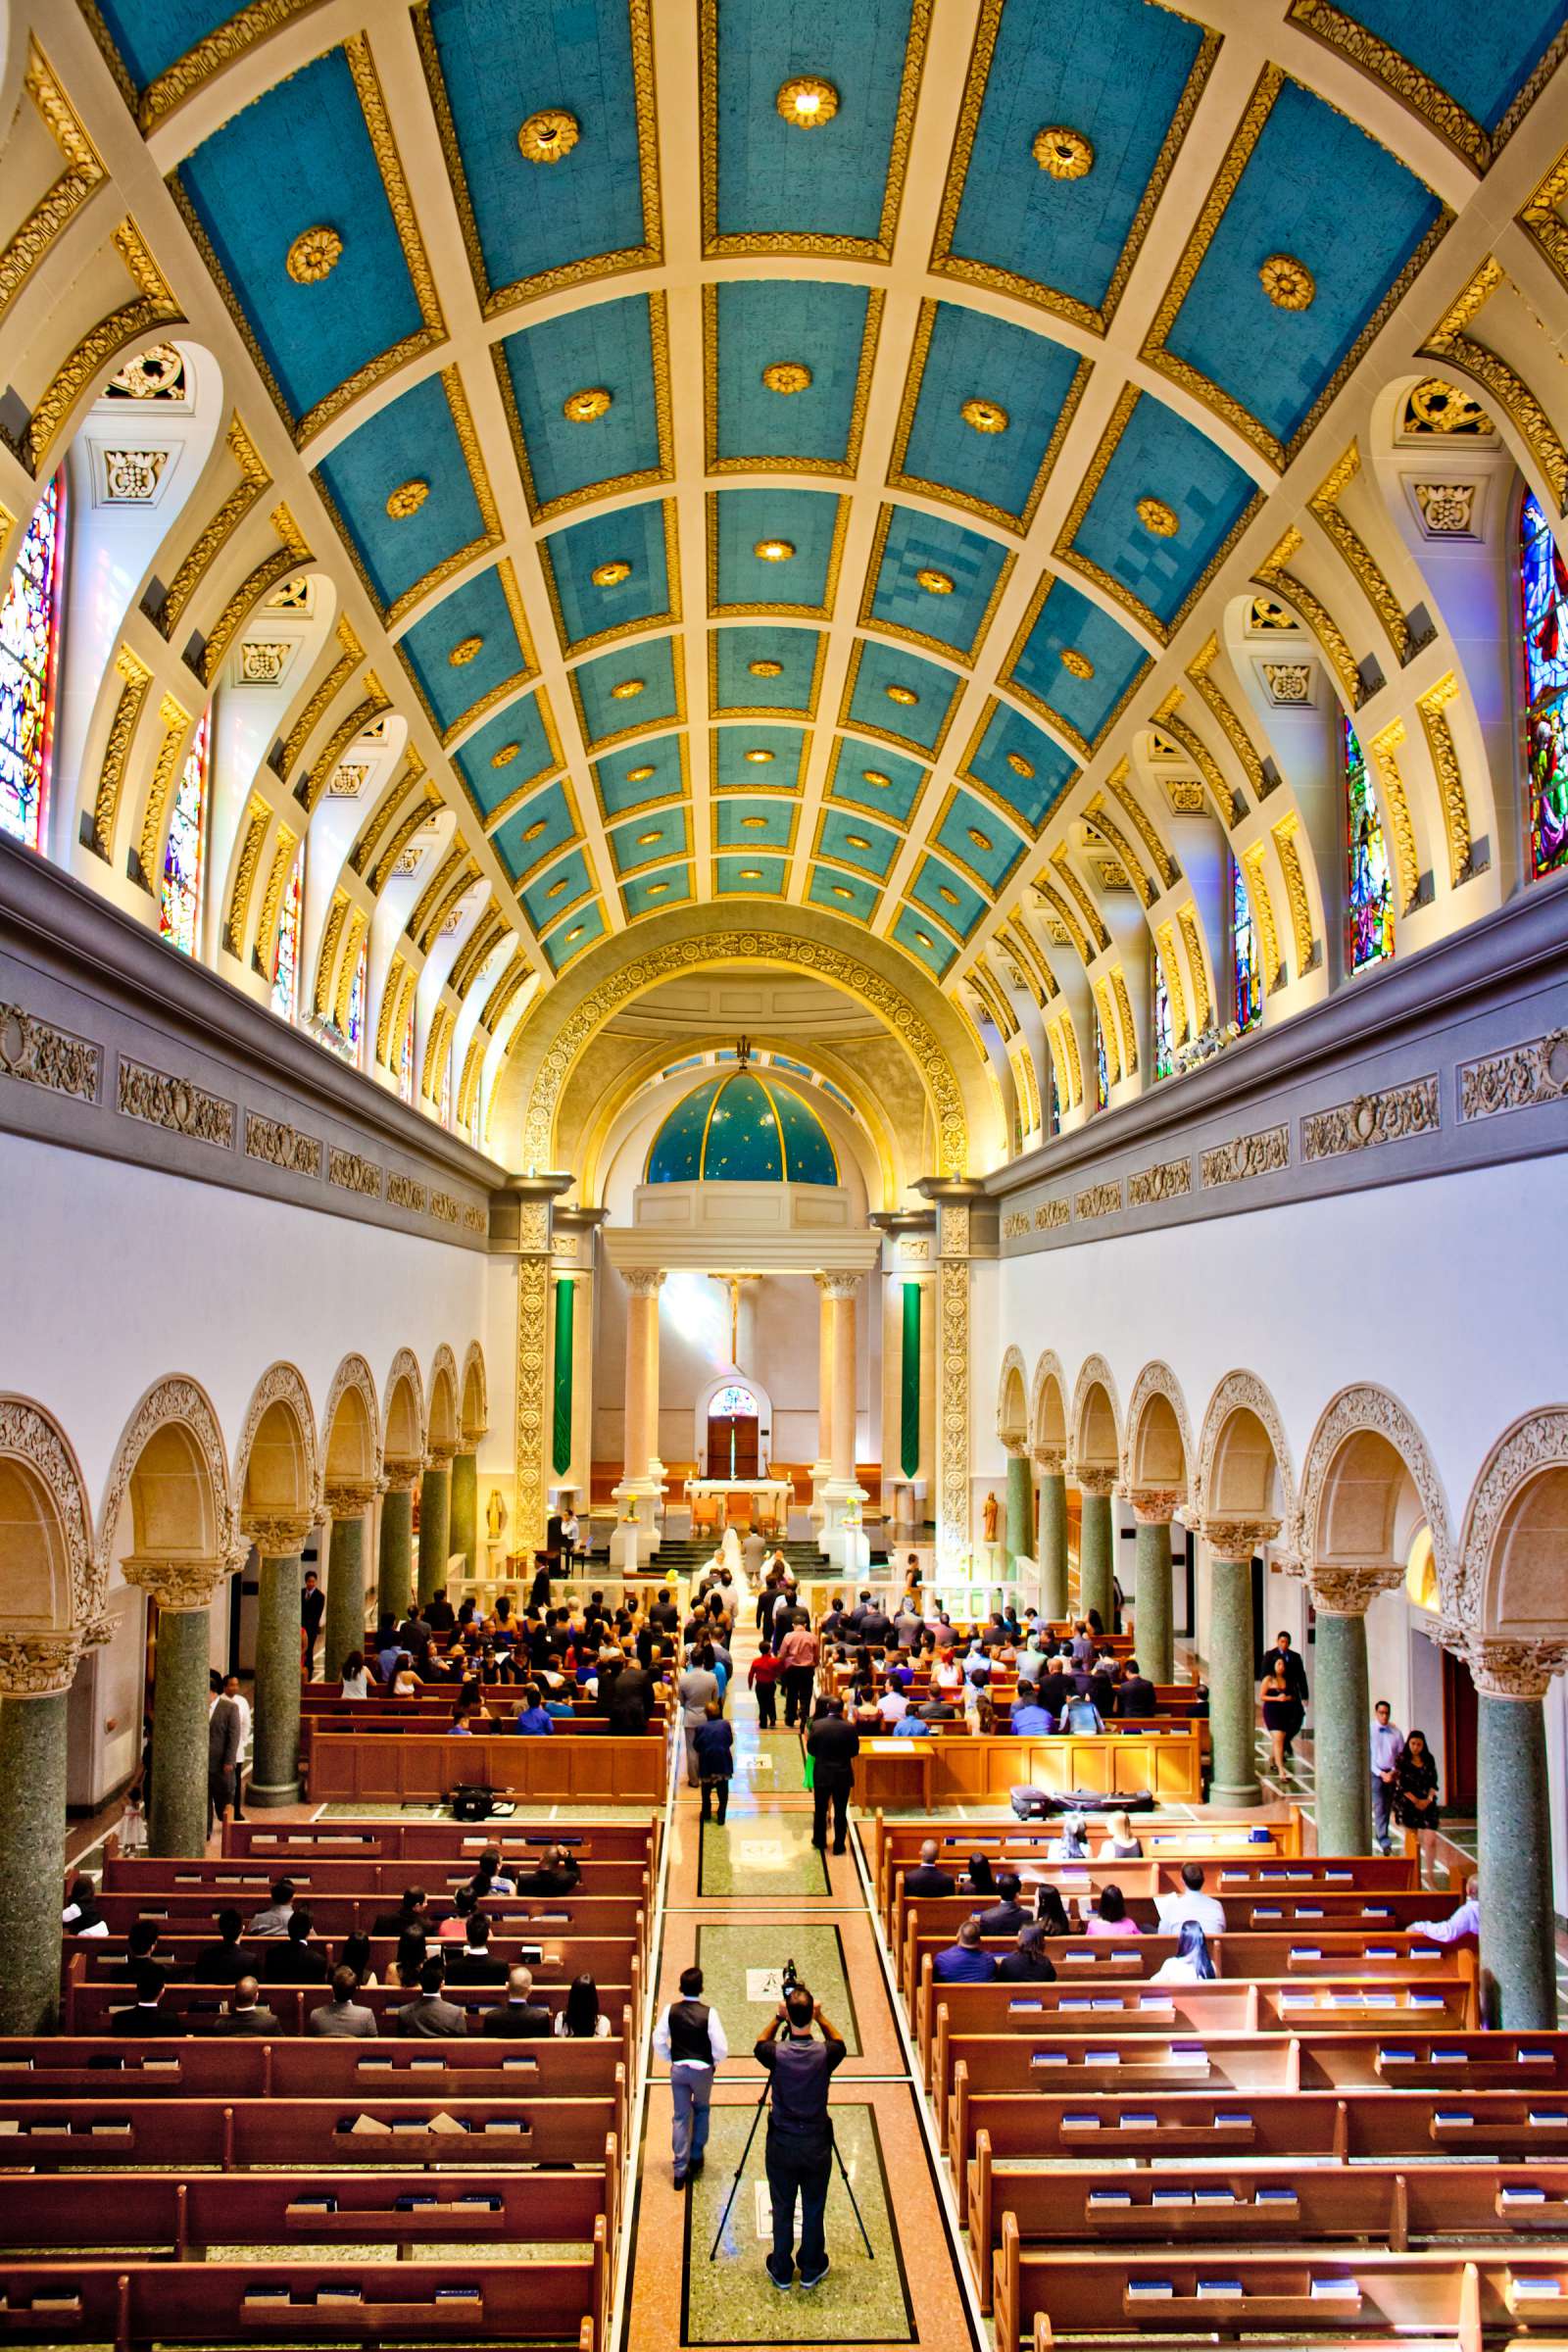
(741, 1129)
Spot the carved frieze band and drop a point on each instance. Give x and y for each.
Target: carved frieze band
(281, 1145)
(1168, 1180)
(162, 1100)
(37, 1054)
(353, 1172)
(1382, 1118)
(405, 1191)
(1258, 1154)
(1097, 1200)
(1517, 1079)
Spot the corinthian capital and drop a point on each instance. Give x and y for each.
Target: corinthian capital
(1094, 1479)
(1504, 1669)
(403, 1474)
(645, 1282)
(279, 1538)
(38, 1665)
(1049, 1460)
(1239, 1539)
(181, 1584)
(838, 1284)
(347, 1498)
(1345, 1590)
(1153, 1506)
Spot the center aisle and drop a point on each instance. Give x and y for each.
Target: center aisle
(741, 1901)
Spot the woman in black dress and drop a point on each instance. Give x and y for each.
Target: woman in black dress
(1415, 1797)
(1282, 1713)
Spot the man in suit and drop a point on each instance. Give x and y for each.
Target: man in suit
(148, 2016)
(225, 1737)
(411, 1918)
(520, 2017)
(273, 1917)
(313, 1608)
(1137, 1695)
(343, 2018)
(629, 1701)
(430, 2018)
(1008, 1915)
(246, 2014)
(926, 1877)
(476, 1964)
(832, 1744)
(225, 1961)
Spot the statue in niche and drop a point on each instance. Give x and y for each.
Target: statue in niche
(988, 1518)
(495, 1515)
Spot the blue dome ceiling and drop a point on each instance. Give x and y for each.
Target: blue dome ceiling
(741, 1129)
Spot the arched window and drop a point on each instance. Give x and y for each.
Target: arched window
(1164, 1040)
(29, 646)
(725, 1404)
(1056, 1101)
(405, 1060)
(1370, 887)
(180, 911)
(356, 1013)
(1247, 973)
(1543, 599)
(286, 961)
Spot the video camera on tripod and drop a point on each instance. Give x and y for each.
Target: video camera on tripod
(789, 1986)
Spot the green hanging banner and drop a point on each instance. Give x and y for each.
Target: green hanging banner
(910, 1419)
(560, 1443)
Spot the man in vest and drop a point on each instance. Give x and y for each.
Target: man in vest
(691, 2041)
(799, 2136)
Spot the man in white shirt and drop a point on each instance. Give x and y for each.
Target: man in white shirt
(1388, 1746)
(893, 1707)
(1191, 1903)
(1466, 1921)
(691, 2041)
(231, 1690)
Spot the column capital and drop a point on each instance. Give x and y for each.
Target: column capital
(1093, 1478)
(38, 1665)
(347, 1498)
(1239, 1539)
(441, 1452)
(279, 1538)
(1350, 1590)
(838, 1284)
(473, 1439)
(643, 1282)
(181, 1584)
(402, 1474)
(1154, 1506)
(1050, 1460)
(1505, 1669)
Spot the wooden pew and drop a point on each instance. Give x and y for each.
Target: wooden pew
(431, 1841)
(568, 1767)
(554, 1958)
(1016, 1845)
(185, 1913)
(247, 1883)
(90, 2007)
(1333, 1912)
(299, 2134)
(1325, 2300)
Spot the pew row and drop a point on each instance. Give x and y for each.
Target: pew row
(89, 2008)
(568, 1767)
(315, 2134)
(432, 1842)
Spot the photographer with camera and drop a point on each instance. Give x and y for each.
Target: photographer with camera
(800, 2133)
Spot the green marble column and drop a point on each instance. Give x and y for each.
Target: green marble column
(435, 1526)
(1342, 1723)
(32, 1831)
(176, 1813)
(1020, 1543)
(345, 1573)
(395, 1571)
(275, 1773)
(1518, 1975)
(464, 1533)
(1052, 1541)
(1151, 1610)
(1095, 1543)
(1232, 1649)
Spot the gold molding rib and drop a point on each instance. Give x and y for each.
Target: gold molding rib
(230, 513)
(174, 719)
(1425, 98)
(1201, 672)
(326, 957)
(1358, 558)
(1453, 345)
(1432, 707)
(1197, 750)
(1541, 219)
(1383, 753)
(59, 207)
(135, 679)
(153, 308)
(258, 817)
(1272, 574)
(1197, 967)
(325, 694)
(278, 872)
(1297, 900)
(1254, 864)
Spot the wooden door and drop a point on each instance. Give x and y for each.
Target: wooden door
(1459, 1726)
(732, 1440)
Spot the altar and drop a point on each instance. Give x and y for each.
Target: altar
(770, 1498)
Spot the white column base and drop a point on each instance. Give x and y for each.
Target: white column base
(841, 1537)
(636, 1535)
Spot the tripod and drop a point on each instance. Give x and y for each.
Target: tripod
(712, 2251)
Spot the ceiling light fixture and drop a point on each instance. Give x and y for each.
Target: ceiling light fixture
(406, 499)
(463, 652)
(638, 775)
(806, 101)
(766, 670)
(874, 775)
(773, 551)
(787, 375)
(1019, 766)
(1157, 517)
(1061, 153)
(549, 135)
(904, 695)
(758, 757)
(627, 687)
(506, 756)
(581, 408)
(611, 574)
(985, 415)
(935, 583)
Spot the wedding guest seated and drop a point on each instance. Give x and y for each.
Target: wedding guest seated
(343, 2018)
(1029, 1963)
(1110, 1916)
(520, 2017)
(963, 1962)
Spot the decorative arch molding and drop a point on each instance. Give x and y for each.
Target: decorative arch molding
(1096, 1374)
(967, 1126)
(352, 1377)
(1534, 1445)
(1157, 1379)
(1368, 1407)
(1049, 1372)
(285, 1384)
(444, 1428)
(30, 1435)
(184, 1404)
(1015, 1431)
(474, 1371)
(404, 1373)
(1245, 1392)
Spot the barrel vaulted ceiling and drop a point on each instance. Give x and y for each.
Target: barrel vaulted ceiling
(779, 455)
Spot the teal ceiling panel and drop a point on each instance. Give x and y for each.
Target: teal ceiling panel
(1019, 765)
(759, 824)
(891, 691)
(509, 751)
(854, 840)
(741, 662)
(632, 552)
(1020, 387)
(535, 832)
(628, 689)
(1066, 624)
(754, 324)
(560, 888)
(1129, 544)
(404, 497)
(741, 875)
(571, 938)
(774, 550)
(972, 832)
(737, 766)
(588, 203)
(947, 894)
(934, 580)
(565, 455)
(656, 893)
(871, 775)
(1482, 58)
(468, 650)
(635, 775)
(923, 940)
(151, 35)
(843, 893)
(655, 838)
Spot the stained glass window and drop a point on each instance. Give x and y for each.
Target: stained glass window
(1544, 593)
(29, 636)
(1055, 1100)
(1101, 1070)
(405, 1060)
(179, 909)
(1370, 890)
(1165, 1041)
(730, 1402)
(444, 1107)
(286, 962)
(355, 1020)
(1248, 977)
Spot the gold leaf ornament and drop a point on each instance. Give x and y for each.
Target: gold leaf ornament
(935, 583)
(314, 255)
(406, 499)
(611, 574)
(584, 406)
(1075, 663)
(805, 101)
(787, 375)
(1289, 283)
(1062, 153)
(985, 415)
(1019, 766)
(549, 135)
(1157, 517)
(773, 551)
